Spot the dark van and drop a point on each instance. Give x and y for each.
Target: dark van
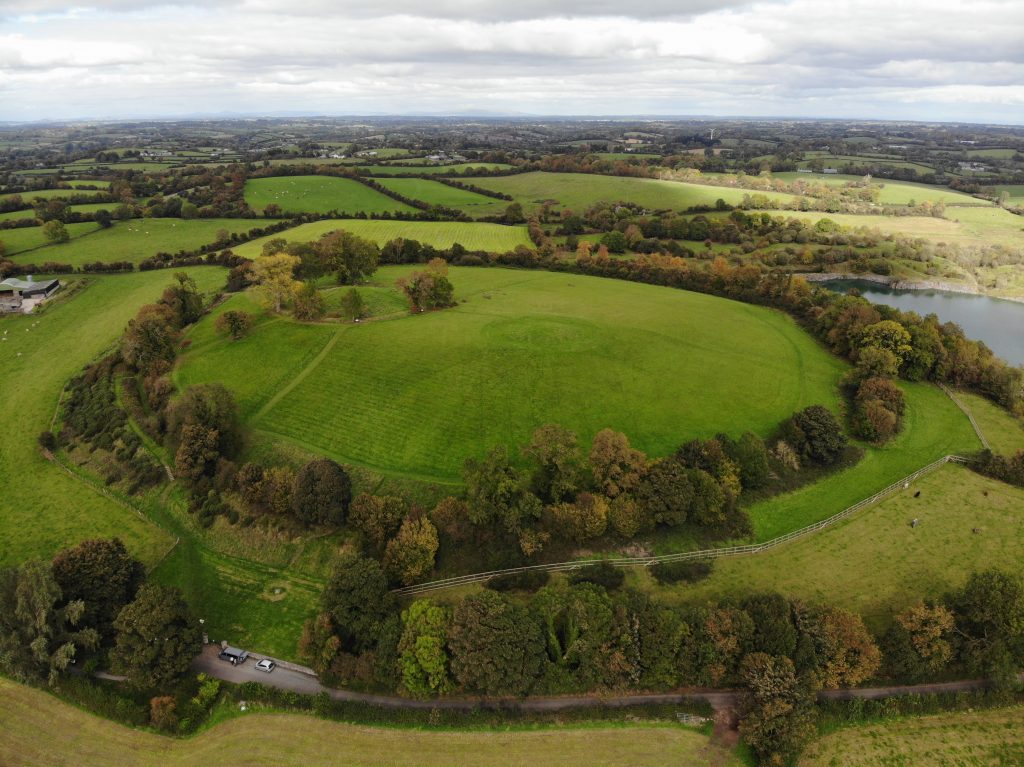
(234, 655)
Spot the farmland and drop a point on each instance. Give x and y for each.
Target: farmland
(133, 240)
(526, 339)
(412, 166)
(318, 194)
(892, 192)
(990, 737)
(437, 193)
(439, 234)
(285, 740)
(843, 564)
(50, 194)
(578, 191)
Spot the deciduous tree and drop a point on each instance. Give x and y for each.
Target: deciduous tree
(158, 636)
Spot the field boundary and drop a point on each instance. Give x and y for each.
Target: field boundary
(687, 556)
(967, 412)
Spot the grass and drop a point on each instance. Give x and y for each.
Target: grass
(1003, 153)
(436, 193)
(1016, 192)
(1004, 433)
(893, 192)
(133, 240)
(965, 739)
(91, 207)
(42, 509)
(438, 170)
(439, 234)
(318, 194)
(73, 736)
(416, 396)
(578, 191)
(933, 427)
(874, 563)
(49, 194)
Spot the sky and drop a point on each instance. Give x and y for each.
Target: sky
(931, 60)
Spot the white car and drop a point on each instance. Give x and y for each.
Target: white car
(266, 665)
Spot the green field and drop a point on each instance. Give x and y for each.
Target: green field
(49, 194)
(1001, 153)
(318, 194)
(580, 190)
(495, 238)
(423, 393)
(411, 166)
(1016, 192)
(874, 563)
(41, 508)
(75, 737)
(990, 738)
(1004, 433)
(91, 207)
(133, 240)
(893, 192)
(437, 193)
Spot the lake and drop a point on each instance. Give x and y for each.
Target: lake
(999, 323)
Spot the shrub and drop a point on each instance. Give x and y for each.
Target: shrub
(603, 574)
(47, 441)
(528, 580)
(681, 572)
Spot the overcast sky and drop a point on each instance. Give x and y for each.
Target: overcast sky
(906, 59)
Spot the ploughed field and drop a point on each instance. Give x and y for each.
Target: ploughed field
(417, 395)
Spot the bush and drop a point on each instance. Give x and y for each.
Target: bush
(528, 580)
(47, 441)
(603, 574)
(681, 572)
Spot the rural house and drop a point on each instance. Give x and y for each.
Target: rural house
(23, 295)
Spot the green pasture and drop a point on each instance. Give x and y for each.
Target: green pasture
(42, 509)
(91, 207)
(1004, 432)
(436, 193)
(416, 396)
(133, 240)
(964, 738)
(496, 238)
(998, 153)
(1016, 192)
(874, 563)
(628, 156)
(318, 194)
(578, 191)
(397, 169)
(893, 192)
(49, 194)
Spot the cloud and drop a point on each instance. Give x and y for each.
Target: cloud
(867, 58)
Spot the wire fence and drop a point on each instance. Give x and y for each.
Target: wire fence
(686, 556)
(967, 412)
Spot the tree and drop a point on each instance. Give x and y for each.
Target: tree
(586, 518)
(184, 300)
(617, 467)
(409, 556)
(615, 241)
(577, 625)
(451, 518)
(197, 453)
(378, 517)
(235, 323)
(307, 302)
(158, 636)
(890, 336)
(352, 304)
(353, 258)
(322, 493)
(845, 650)
(163, 713)
(817, 435)
(39, 630)
(55, 232)
(514, 214)
(149, 340)
(921, 641)
(496, 493)
(777, 714)
(103, 576)
(989, 612)
(422, 650)
(429, 288)
(874, 362)
(627, 517)
(274, 276)
(357, 600)
(495, 648)
(210, 408)
(665, 492)
(774, 631)
(557, 463)
(751, 458)
(101, 217)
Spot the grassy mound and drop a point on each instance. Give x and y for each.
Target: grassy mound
(418, 395)
(318, 194)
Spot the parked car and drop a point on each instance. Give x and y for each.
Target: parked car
(266, 665)
(233, 655)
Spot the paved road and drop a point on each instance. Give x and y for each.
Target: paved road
(298, 679)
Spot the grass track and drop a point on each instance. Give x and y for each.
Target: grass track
(292, 740)
(965, 739)
(318, 194)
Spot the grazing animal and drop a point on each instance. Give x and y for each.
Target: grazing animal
(917, 494)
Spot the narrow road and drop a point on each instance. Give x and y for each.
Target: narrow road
(302, 680)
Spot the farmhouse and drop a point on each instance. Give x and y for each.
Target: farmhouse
(23, 295)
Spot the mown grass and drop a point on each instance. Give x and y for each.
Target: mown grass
(933, 427)
(318, 194)
(133, 241)
(494, 238)
(874, 562)
(1004, 432)
(42, 509)
(580, 190)
(419, 395)
(965, 739)
(437, 193)
(39, 730)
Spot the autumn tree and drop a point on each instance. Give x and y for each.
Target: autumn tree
(429, 288)
(665, 492)
(586, 518)
(322, 493)
(275, 280)
(777, 714)
(377, 517)
(409, 556)
(845, 651)
(184, 300)
(617, 467)
(558, 466)
(158, 636)
(308, 303)
(234, 323)
(149, 340)
(816, 434)
(353, 258)
(921, 641)
(423, 651)
(55, 232)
